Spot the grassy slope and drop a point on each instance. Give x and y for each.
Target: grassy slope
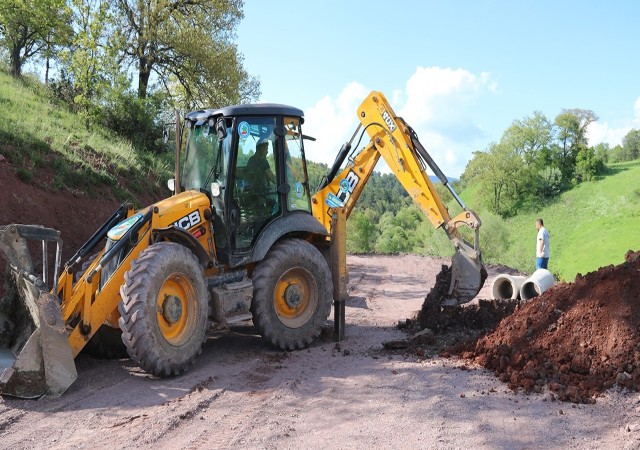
(37, 133)
(591, 226)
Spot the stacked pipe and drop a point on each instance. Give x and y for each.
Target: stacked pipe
(519, 287)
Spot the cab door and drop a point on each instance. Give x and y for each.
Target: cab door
(254, 200)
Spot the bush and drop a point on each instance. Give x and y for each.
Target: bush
(588, 165)
(548, 182)
(135, 119)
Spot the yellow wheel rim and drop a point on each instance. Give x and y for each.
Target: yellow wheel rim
(176, 307)
(295, 297)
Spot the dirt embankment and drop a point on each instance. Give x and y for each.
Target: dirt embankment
(577, 339)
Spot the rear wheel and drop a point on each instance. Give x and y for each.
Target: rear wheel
(164, 309)
(292, 294)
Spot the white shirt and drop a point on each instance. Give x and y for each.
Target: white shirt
(543, 235)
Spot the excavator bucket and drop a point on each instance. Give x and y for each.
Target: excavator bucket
(467, 277)
(35, 356)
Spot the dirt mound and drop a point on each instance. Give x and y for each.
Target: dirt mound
(578, 339)
(482, 315)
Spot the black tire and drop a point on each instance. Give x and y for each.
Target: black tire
(292, 294)
(106, 344)
(164, 309)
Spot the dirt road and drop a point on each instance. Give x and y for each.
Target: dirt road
(243, 394)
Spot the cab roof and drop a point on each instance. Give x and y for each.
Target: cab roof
(254, 109)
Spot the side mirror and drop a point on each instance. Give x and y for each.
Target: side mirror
(216, 189)
(171, 184)
(221, 129)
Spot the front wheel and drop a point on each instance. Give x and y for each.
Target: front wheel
(292, 294)
(164, 309)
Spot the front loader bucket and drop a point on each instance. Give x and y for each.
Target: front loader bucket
(35, 356)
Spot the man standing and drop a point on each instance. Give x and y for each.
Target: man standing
(542, 245)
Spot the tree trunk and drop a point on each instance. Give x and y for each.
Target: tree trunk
(143, 81)
(16, 63)
(47, 61)
(46, 72)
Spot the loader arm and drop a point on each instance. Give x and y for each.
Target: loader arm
(393, 140)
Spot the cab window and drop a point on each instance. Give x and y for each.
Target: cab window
(201, 161)
(298, 197)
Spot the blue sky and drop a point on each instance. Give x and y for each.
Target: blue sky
(458, 72)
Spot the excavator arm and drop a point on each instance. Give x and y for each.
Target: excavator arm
(396, 142)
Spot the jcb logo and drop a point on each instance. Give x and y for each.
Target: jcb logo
(188, 221)
(388, 120)
(347, 185)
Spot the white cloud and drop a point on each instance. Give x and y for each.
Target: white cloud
(332, 122)
(437, 104)
(433, 103)
(602, 132)
(436, 94)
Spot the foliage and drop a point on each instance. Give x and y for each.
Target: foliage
(591, 226)
(30, 28)
(36, 132)
(535, 159)
(529, 137)
(134, 118)
(588, 165)
(90, 67)
(494, 241)
(547, 183)
(498, 172)
(316, 171)
(189, 46)
(631, 144)
(383, 193)
(362, 232)
(572, 127)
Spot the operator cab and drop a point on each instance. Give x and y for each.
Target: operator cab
(250, 160)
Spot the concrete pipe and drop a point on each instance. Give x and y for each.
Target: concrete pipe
(536, 284)
(507, 286)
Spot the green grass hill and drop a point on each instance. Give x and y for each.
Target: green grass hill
(50, 146)
(591, 226)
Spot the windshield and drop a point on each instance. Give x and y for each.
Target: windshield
(202, 161)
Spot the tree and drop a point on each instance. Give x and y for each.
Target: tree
(618, 154)
(188, 45)
(530, 137)
(588, 165)
(631, 144)
(572, 136)
(498, 172)
(29, 28)
(602, 151)
(362, 233)
(89, 64)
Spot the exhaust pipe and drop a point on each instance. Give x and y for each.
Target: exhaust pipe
(35, 356)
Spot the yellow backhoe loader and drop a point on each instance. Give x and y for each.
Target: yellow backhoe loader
(243, 236)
